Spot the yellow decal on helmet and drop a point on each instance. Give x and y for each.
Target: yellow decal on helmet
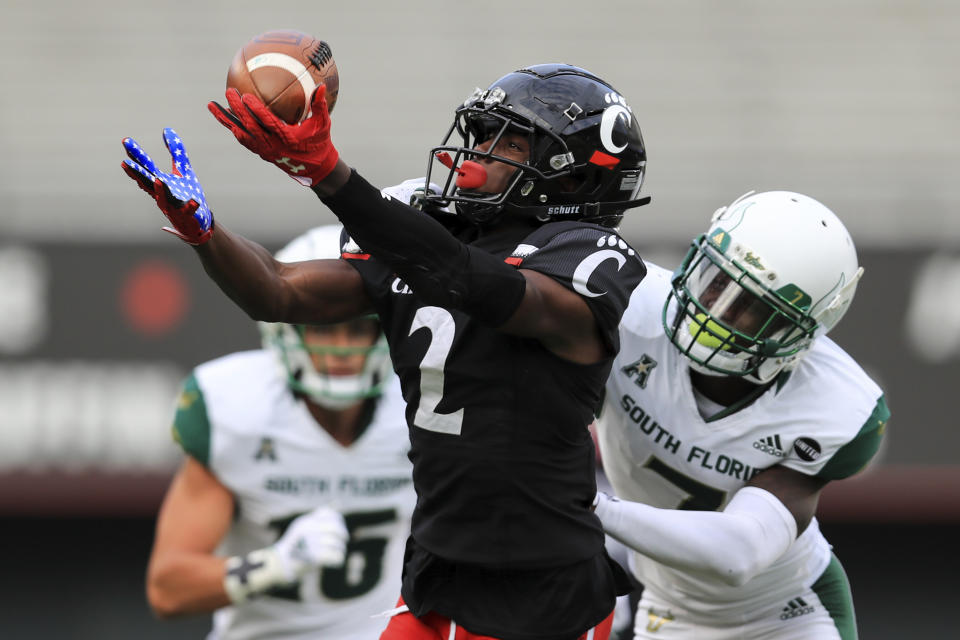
(709, 333)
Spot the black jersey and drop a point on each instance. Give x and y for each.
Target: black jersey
(503, 460)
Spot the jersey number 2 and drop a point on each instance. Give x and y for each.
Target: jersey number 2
(439, 322)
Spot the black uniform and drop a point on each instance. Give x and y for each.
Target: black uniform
(503, 535)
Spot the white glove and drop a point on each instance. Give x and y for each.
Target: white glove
(315, 539)
(410, 191)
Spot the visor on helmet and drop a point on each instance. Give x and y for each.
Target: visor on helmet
(726, 320)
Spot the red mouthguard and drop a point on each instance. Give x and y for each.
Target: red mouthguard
(470, 174)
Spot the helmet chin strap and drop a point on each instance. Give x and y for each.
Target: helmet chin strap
(336, 392)
(769, 347)
(706, 371)
(710, 373)
(578, 211)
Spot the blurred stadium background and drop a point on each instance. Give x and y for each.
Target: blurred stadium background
(856, 103)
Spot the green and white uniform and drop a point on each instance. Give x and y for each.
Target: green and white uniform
(238, 417)
(826, 419)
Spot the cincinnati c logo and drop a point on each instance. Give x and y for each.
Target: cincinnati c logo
(618, 109)
(581, 275)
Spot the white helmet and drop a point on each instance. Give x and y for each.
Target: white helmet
(774, 271)
(293, 355)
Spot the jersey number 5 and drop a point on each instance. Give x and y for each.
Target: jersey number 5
(439, 322)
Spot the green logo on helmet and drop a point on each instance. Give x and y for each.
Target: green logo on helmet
(795, 296)
(753, 261)
(720, 239)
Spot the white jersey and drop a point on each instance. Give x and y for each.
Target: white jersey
(263, 444)
(824, 419)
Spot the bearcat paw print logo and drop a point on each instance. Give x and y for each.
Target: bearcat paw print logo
(616, 98)
(615, 241)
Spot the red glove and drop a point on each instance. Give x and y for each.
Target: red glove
(304, 151)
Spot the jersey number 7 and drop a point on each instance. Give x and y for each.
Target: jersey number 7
(700, 497)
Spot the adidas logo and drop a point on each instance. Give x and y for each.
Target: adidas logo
(794, 608)
(771, 445)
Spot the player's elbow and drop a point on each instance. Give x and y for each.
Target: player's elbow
(165, 602)
(162, 604)
(736, 576)
(735, 571)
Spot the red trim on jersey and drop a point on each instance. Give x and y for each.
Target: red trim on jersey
(604, 160)
(355, 256)
(433, 626)
(514, 261)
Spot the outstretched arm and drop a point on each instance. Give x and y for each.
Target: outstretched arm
(312, 292)
(442, 270)
(318, 291)
(757, 526)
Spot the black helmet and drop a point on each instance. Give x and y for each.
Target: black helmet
(587, 157)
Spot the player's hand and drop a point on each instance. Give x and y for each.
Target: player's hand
(315, 539)
(412, 191)
(304, 151)
(600, 503)
(178, 193)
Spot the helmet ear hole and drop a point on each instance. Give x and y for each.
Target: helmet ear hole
(591, 184)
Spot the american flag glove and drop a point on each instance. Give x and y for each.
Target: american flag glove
(178, 193)
(304, 151)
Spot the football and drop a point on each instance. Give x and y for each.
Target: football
(284, 68)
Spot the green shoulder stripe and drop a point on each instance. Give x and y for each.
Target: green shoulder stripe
(854, 456)
(191, 428)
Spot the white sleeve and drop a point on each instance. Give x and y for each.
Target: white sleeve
(732, 545)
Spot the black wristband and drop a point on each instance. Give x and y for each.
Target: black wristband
(440, 269)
